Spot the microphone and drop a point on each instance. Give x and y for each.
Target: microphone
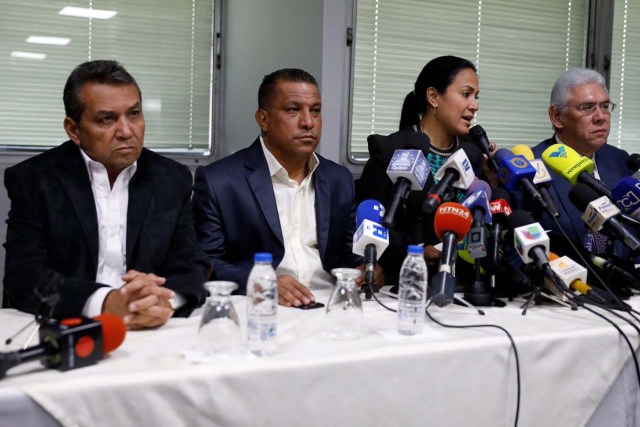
(477, 202)
(70, 343)
(566, 162)
(479, 136)
(500, 211)
(516, 173)
(600, 212)
(409, 170)
(451, 223)
(574, 276)
(615, 272)
(370, 239)
(542, 178)
(456, 172)
(626, 194)
(531, 242)
(633, 162)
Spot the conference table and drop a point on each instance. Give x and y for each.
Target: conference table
(575, 370)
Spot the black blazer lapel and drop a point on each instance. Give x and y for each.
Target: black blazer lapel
(323, 210)
(259, 181)
(141, 192)
(75, 181)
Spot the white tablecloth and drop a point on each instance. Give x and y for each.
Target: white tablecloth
(444, 377)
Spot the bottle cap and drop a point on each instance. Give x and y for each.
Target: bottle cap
(262, 257)
(415, 249)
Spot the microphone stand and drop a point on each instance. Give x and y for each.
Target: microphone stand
(45, 311)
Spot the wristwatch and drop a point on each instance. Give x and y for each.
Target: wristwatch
(173, 303)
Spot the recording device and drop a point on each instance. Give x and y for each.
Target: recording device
(370, 239)
(409, 170)
(566, 162)
(500, 211)
(633, 162)
(456, 172)
(601, 212)
(70, 343)
(452, 222)
(477, 202)
(516, 173)
(626, 194)
(531, 243)
(542, 179)
(479, 136)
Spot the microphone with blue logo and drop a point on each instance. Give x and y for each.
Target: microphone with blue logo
(542, 178)
(515, 172)
(626, 194)
(477, 201)
(457, 172)
(409, 170)
(370, 239)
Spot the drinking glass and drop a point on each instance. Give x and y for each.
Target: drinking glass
(344, 309)
(219, 327)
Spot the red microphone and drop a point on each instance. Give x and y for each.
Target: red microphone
(70, 343)
(452, 220)
(451, 223)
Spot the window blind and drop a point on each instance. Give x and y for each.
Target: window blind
(625, 79)
(164, 44)
(520, 48)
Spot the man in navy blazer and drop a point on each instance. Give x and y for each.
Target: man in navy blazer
(103, 221)
(279, 196)
(580, 112)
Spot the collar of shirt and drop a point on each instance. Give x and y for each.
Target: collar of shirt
(94, 167)
(276, 169)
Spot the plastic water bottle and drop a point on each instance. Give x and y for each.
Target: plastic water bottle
(262, 306)
(413, 292)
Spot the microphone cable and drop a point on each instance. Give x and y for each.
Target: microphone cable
(620, 331)
(373, 294)
(594, 273)
(513, 346)
(578, 303)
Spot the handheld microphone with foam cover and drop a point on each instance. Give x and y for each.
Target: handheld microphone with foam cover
(568, 163)
(477, 202)
(601, 212)
(626, 194)
(70, 343)
(370, 239)
(456, 172)
(451, 223)
(409, 170)
(542, 178)
(479, 136)
(633, 162)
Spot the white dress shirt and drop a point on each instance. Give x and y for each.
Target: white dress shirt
(111, 207)
(296, 210)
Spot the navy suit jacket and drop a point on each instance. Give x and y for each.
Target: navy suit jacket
(52, 230)
(236, 214)
(612, 166)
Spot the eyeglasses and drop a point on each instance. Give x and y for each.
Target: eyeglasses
(590, 108)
